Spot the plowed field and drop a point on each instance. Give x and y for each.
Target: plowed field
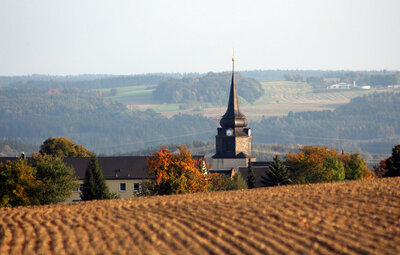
(361, 217)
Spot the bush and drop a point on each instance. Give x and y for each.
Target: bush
(219, 182)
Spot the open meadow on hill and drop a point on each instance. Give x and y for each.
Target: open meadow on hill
(355, 217)
(281, 97)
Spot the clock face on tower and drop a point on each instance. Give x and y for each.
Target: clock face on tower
(229, 132)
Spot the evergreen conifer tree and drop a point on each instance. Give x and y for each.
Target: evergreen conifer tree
(277, 174)
(95, 186)
(393, 163)
(251, 180)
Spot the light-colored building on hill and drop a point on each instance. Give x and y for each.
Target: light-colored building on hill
(341, 85)
(124, 175)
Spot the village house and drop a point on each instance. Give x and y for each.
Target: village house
(124, 175)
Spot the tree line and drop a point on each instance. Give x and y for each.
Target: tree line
(361, 78)
(87, 82)
(213, 88)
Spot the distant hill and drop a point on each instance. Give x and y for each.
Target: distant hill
(12, 148)
(104, 82)
(383, 77)
(211, 88)
(369, 123)
(30, 115)
(33, 114)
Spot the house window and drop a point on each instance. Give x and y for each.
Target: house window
(136, 187)
(122, 187)
(79, 189)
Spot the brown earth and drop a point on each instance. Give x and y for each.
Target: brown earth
(360, 217)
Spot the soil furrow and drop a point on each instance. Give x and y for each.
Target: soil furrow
(356, 217)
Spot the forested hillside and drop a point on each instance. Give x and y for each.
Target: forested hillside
(93, 83)
(32, 115)
(212, 88)
(12, 148)
(369, 123)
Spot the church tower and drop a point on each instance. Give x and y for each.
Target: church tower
(233, 140)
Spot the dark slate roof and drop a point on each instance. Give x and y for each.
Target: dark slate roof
(5, 159)
(123, 167)
(262, 163)
(233, 117)
(258, 172)
(128, 167)
(227, 172)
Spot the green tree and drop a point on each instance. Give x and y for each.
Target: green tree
(237, 182)
(355, 167)
(18, 184)
(218, 182)
(62, 147)
(393, 163)
(251, 179)
(276, 174)
(332, 170)
(95, 186)
(57, 180)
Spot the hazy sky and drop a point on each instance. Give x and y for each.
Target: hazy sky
(129, 37)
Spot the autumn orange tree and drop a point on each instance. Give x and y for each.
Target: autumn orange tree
(18, 184)
(175, 174)
(321, 164)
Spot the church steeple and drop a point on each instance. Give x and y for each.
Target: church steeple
(233, 142)
(233, 117)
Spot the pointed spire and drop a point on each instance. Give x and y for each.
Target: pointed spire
(233, 117)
